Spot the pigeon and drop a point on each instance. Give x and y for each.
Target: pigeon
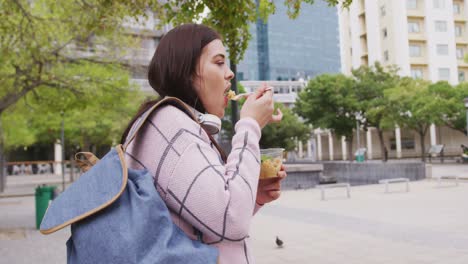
(279, 242)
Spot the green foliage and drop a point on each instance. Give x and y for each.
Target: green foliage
(67, 58)
(414, 105)
(452, 98)
(96, 116)
(371, 83)
(284, 134)
(329, 101)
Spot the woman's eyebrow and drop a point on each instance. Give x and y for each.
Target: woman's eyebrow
(220, 55)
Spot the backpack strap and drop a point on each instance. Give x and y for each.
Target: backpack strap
(85, 160)
(141, 120)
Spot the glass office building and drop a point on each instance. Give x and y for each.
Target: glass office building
(286, 49)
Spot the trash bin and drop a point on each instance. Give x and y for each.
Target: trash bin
(360, 154)
(44, 194)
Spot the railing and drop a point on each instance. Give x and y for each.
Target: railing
(40, 167)
(284, 91)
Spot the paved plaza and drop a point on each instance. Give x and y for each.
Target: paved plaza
(429, 224)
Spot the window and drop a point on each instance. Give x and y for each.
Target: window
(442, 49)
(444, 74)
(386, 55)
(456, 8)
(413, 27)
(416, 73)
(441, 26)
(406, 143)
(458, 30)
(415, 50)
(382, 10)
(461, 76)
(460, 53)
(439, 4)
(384, 32)
(411, 4)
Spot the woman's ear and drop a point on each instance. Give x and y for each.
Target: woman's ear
(196, 82)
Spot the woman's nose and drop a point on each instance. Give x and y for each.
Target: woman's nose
(230, 75)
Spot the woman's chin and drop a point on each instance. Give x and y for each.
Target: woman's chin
(220, 114)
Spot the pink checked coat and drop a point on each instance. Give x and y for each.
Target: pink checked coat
(207, 198)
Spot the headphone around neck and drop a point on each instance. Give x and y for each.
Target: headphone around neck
(211, 123)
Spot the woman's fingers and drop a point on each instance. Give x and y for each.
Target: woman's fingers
(272, 186)
(282, 174)
(277, 118)
(274, 194)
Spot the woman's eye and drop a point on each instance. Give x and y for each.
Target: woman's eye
(220, 63)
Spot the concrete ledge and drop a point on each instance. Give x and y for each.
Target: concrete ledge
(303, 167)
(371, 173)
(302, 176)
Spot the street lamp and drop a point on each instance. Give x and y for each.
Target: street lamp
(466, 107)
(62, 138)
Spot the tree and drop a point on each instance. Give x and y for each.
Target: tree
(95, 118)
(284, 134)
(46, 46)
(330, 102)
(454, 115)
(416, 106)
(371, 83)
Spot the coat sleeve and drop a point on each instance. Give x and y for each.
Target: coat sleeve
(217, 199)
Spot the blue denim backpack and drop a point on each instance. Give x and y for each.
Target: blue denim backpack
(117, 216)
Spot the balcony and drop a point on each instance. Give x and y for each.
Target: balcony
(84, 51)
(421, 61)
(362, 8)
(139, 56)
(143, 84)
(419, 37)
(363, 32)
(459, 17)
(461, 40)
(462, 62)
(415, 13)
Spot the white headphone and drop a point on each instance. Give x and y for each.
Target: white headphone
(211, 123)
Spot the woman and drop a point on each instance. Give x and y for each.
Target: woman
(210, 196)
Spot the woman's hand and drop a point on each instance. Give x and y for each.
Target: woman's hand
(270, 189)
(259, 106)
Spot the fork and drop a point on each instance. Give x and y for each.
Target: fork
(244, 95)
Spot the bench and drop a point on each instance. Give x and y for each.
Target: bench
(334, 185)
(452, 178)
(436, 150)
(394, 180)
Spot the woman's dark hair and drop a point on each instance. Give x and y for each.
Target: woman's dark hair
(174, 66)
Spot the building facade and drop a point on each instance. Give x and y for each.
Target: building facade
(138, 58)
(285, 49)
(426, 39)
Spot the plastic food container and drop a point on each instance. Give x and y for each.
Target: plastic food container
(272, 159)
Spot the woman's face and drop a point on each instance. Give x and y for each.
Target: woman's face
(213, 78)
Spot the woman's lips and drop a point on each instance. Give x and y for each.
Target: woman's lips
(226, 100)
